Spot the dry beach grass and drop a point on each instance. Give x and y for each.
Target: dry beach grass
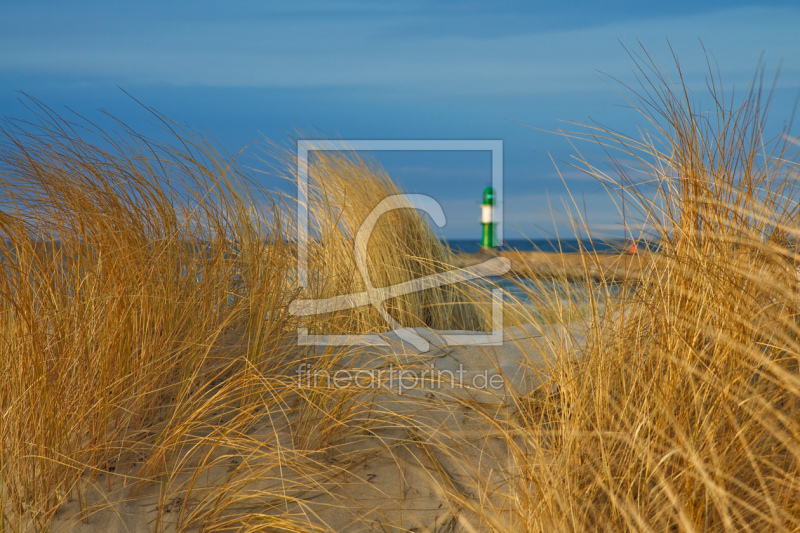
(149, 359)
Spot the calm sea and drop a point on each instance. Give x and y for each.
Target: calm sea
(471, 246)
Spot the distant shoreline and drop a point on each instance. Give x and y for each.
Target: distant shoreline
(552, 245)
(610, 265)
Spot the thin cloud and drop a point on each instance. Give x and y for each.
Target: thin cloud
(373, 50)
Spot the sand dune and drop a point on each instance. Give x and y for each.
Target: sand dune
(429, 458)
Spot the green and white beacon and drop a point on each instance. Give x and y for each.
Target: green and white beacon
(489, 239)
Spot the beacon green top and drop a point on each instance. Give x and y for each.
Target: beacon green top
(488, 196)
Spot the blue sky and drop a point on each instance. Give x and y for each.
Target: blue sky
(401, 70)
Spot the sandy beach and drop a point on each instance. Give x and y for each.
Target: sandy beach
(432, 455)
